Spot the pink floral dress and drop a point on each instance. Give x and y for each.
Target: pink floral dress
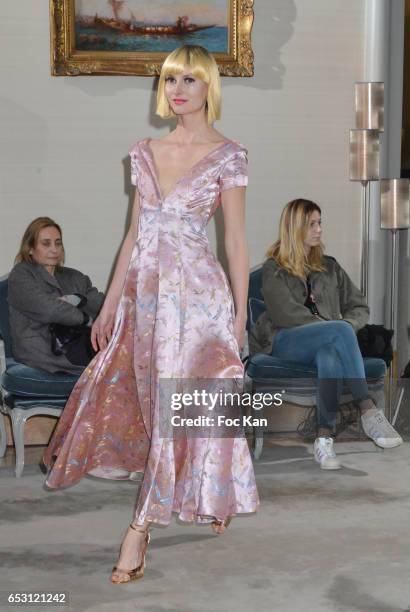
(174, 321)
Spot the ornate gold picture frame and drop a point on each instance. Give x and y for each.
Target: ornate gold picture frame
(130, 37)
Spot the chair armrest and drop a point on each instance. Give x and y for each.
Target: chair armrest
(2, 369)
(2, 358)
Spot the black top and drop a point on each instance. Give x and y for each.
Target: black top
(310, 300)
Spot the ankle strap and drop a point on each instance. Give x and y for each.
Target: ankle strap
(140, 528)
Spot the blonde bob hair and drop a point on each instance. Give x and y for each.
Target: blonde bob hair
(288, 251)
(30, 238)
(203, 66)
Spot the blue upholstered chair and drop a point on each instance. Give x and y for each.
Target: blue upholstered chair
(274, 375)
(25, 392)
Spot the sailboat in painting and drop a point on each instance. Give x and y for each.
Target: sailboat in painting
(115, 27)
(130, 26)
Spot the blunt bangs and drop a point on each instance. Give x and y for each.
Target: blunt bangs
(176, 62)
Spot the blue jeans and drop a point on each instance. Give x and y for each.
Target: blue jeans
(330, 346)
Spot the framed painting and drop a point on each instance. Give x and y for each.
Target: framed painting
(133, 37)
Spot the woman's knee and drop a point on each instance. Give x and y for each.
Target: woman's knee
(341, 329)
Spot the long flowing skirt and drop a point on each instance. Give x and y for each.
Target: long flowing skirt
(112, 418)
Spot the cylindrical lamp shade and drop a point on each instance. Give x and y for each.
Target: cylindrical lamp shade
(394, 204)
(364, 155)
(369, 105)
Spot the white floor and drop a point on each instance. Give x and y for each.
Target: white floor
(322, 541)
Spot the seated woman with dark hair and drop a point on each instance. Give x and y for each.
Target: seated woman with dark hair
(48, 301)
(313, 311)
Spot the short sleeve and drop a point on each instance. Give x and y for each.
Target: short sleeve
(235, 171)
(134, 165)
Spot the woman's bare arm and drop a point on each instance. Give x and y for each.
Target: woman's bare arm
(233, 207)
(103, 325)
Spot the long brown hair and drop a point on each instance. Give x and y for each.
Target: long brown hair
(288, 251)
(30, 238)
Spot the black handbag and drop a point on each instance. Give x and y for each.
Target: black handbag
(73, 341)
(376, 341)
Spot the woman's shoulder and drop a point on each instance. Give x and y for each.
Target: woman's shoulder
(330, 262)
(271, 265)
(137, 145)
(233, 157)
(23, 274)
(234, 146)
(20, 269)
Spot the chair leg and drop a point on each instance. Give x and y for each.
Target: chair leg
(18, 420)
(257, 445)
(397, 406)
(257, 433)
(3, 435)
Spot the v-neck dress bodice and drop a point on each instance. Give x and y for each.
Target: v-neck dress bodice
(184, 175)
(174, 322)
(193, 199)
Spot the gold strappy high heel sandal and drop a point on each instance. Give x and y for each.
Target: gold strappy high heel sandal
(138, 571)
(219, 526)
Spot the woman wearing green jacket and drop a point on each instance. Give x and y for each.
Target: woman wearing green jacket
(313, 311)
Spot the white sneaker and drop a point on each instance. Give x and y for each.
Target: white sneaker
(110, 473)
(325, 455)
(136, 476)
(377, 428)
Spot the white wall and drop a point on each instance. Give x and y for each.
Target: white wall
(64, 141)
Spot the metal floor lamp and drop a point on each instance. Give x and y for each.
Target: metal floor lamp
(394, 216)
(365, 157)
(364, 167)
